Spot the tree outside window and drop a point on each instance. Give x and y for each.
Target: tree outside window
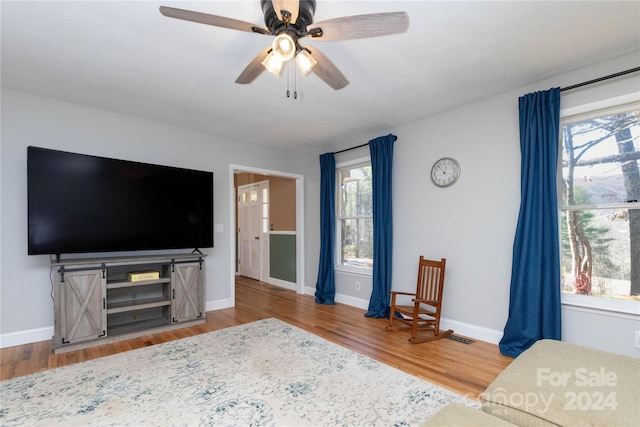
(600, 209)
(355, 216)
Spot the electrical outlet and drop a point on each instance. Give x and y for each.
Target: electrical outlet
(637, 339)
(357, 286)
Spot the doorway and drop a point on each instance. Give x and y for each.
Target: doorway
(272, 236)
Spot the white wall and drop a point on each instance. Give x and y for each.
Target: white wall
(26, 307)
(472, 224)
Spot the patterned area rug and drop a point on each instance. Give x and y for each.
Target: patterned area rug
(265, 373)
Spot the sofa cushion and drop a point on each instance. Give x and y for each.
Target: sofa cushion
(463, 416)
(556, 383)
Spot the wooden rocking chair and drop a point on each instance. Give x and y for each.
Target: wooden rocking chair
(424, 314)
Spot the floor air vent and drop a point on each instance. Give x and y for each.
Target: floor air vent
(460, 339)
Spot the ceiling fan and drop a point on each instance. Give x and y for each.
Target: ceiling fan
(290, 21)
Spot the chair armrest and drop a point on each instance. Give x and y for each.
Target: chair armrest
(426, 301)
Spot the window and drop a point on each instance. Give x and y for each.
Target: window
(600, 204)
(354, 223)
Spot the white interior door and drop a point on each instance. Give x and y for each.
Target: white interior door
(265, 228)
(249, 230)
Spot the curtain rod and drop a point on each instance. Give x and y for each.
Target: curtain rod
(600, 79)
(359, 146)
(352, 148)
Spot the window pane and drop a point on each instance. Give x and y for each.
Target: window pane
(601, 237)
(599, 160)
(355, 216)
(356, 192)
(357, 242)
(600, 262)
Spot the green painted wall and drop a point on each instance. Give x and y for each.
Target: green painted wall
(282, 257)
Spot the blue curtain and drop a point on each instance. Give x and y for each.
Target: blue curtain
(326, 284)
(534, 302)
(381, 150)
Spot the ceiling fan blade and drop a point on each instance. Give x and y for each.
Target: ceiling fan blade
(360, 26)
(326, 70)
(217, 21)
(254, 69)
(291, 6)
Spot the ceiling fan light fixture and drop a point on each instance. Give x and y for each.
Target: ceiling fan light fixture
(284, 47)
(273, 63)
(305, 62)
(289, 21)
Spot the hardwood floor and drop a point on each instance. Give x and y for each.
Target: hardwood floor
(463, 368)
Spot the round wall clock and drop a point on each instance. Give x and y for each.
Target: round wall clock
(445, 172)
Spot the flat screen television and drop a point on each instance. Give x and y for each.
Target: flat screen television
(79, 203)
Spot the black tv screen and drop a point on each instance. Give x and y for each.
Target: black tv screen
(80, 203)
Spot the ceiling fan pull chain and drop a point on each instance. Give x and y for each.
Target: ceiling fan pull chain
(288, 92)
(295, 82)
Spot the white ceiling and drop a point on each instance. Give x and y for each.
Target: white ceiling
(124, 56)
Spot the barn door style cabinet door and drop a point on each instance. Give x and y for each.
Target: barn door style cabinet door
(81, 299)
(187, 282)
(102, 300)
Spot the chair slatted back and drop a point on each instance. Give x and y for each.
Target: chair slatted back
(430, 279)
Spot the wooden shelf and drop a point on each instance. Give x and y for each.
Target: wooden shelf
(121, 307)
(138, 326)
(117, 285)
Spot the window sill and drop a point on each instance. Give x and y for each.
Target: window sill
(604, 306)
(356, 271)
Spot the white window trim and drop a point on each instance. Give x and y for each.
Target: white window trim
(606, 306)
(616, 104)
(362, 271)
(602, 306)
(357, 271)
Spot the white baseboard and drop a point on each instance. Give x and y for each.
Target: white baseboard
(26, 337)
(282, 283)
(44, 334)
(218, 304)
(343, 299)
(352, 301)
(472, 331)
(460, 328)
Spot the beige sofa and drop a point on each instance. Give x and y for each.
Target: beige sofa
(556, 384)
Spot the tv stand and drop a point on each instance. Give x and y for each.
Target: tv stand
(102, 300)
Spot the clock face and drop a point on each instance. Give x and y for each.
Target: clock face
(445, 172)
